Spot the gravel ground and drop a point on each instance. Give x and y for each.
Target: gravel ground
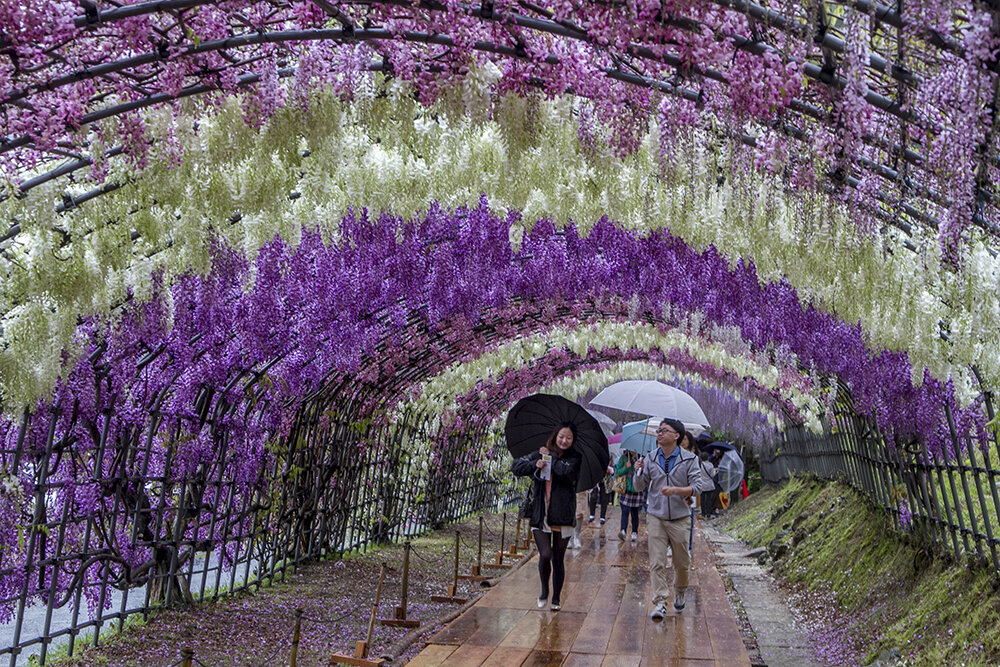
(336, 597)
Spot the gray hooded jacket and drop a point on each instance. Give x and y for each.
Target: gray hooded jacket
(687, 472)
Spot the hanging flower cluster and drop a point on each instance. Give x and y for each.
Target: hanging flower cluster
(387, 152)
(211, 374)
(905, 87)
(731, 362)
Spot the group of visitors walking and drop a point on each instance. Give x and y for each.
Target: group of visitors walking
(667, 481)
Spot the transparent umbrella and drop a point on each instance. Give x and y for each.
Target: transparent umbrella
(730, 471)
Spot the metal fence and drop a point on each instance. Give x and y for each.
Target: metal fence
(952, 501)
(153, 538)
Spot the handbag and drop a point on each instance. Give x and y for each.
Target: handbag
(620, 485)
(526, 504)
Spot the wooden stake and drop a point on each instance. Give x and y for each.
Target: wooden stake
(453, 588)
(517, 538)
(399, 620)
(293, 659)
(477, 569)
(498, 560)
(362, 646)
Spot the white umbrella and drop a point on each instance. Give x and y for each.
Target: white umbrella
(607, 423)
(649, 397)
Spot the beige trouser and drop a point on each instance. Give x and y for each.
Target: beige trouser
(661, 533)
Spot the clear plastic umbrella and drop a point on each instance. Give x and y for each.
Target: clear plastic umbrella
(730, 471)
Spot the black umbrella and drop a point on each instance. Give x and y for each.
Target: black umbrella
(724, 446)
(536, 417)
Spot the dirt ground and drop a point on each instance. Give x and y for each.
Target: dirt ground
(336, 597)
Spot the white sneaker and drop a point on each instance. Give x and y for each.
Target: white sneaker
(591, 518)
(603, 520)
(659, 613)
(679, 599)
(621, 535)
(635, 536)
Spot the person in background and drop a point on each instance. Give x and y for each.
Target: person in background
(687, 443)
(582, 503)
(632, 499)
(552, 506)
(710, 492)
(602, 494)
(673, 475)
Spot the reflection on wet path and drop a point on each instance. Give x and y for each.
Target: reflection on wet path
(604, 621)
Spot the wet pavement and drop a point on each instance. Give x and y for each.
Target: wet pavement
(780, 641)
(604, 621)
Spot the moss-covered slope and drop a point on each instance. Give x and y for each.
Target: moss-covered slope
(889, 590)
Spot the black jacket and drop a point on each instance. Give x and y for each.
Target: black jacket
(562, 502)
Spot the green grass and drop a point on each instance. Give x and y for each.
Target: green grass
(892, 590)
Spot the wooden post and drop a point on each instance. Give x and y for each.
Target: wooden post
(498, 560)
(517, 538)
(453, 588)
(362, 646)
(187, 656)
(399, 619)
(477, 569)
(294, 657)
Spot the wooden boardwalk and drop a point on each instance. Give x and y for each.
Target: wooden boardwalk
(604, 621)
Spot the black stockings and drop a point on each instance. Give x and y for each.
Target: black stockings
(551, 560)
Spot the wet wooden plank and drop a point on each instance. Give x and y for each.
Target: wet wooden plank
(584, 660)
(660, 638)
(468, 656)
(507, 656)
(612, 660)
(479, 625)
(561, 631)
(604, 620)
(525, 634)
(691, 638)
(431, 656)
(627, 635)
(593, 636)
(727, 642)
(539, 658)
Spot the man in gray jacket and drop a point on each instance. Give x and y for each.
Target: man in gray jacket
(673, 475)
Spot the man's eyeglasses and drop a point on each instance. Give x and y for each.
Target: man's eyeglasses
(666, 430)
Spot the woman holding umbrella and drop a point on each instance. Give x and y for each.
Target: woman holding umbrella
(629, 499)
(553, 505)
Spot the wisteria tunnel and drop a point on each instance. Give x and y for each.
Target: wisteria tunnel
(274, 271)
